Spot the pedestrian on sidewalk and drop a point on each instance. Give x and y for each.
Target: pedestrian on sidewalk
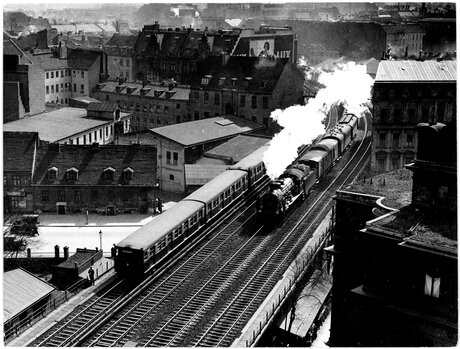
(91, 275)
(159, 205)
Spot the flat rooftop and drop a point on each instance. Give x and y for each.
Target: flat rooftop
(55, 125)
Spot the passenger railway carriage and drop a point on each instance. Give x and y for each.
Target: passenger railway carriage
(171, 231)
(167, 233)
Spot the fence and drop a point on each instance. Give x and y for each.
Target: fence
(17, 325)
(299, 272)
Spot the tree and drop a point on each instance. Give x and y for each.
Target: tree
(16, 236)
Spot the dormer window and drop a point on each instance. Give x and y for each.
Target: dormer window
(52, 173)
(246, 81)
(206, 79)
(263, 83)
(157, 93)
(108, 174)
(128, 174)
(72, 174)
(234, 81)
(221, 81)
(144, 91)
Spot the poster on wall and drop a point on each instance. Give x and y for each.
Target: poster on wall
(262, 48)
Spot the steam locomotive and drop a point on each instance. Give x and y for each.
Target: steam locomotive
(298, 179)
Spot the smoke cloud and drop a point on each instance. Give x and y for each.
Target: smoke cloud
(348, 84)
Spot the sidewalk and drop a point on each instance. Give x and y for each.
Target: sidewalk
(99, 220)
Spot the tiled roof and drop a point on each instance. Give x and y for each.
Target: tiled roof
(202, 174)
(55, 125)
(20, 290)
(264, 73)
(237, 148)
(82, 59)
(122, 40)
(176, 93)
(414, 71)
(91, 161)
(80, 257)
(18, 151)
(206, 130)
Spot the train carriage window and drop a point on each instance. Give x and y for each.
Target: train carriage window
(209, 207)
(163, 243)
(184, 227)
(152, 250)
(158, 247)
(175, 233)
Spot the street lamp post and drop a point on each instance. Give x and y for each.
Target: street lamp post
(100, 239)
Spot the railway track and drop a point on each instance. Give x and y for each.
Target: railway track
(205, 299)
(80, 320)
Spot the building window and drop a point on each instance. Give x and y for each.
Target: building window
(382, 140)
(106, 131)
(52, 75)
(47, 89)
(144, 108)
(52, 88)
(94, 195)
(216, 99)
(410, 140)
(195, 96)
(77, 196)
(396, 140)
(61, 195)
(100, 133)
(74, 73)
(62, 73)
(47, 75)
(16, 180)
(74, 87)
(381, 162)
(432, 286)
(171, 177)
(82, 88)
(127, 62)
(265, 102)
(412, 116)
(108, 174)
(394, 161)
(45, 195)
(57, 88)
(138, 107)
(168, 157)
(383, 116)
(178, 106)
(397, 115)
(175, 158)
(166, 108)
(206, 98)
(197, 115)
(127, 174)
(254, 102)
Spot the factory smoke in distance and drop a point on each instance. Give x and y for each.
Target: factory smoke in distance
(349, 85)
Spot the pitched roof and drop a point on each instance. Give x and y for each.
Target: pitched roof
(402, 29)
(49, 61)
(20, 290)
(156, 91)
(102, 106)
(235, 149)
(199, 174)
(82, 59)
(90, 161)
(264, 73)
(18, 151)
(55, 125)
(416, 71)
(122, 40)
(206, 130)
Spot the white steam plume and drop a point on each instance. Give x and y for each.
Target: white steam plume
(348, 84)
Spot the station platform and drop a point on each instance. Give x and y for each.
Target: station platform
(307, 307)
(28, 336)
